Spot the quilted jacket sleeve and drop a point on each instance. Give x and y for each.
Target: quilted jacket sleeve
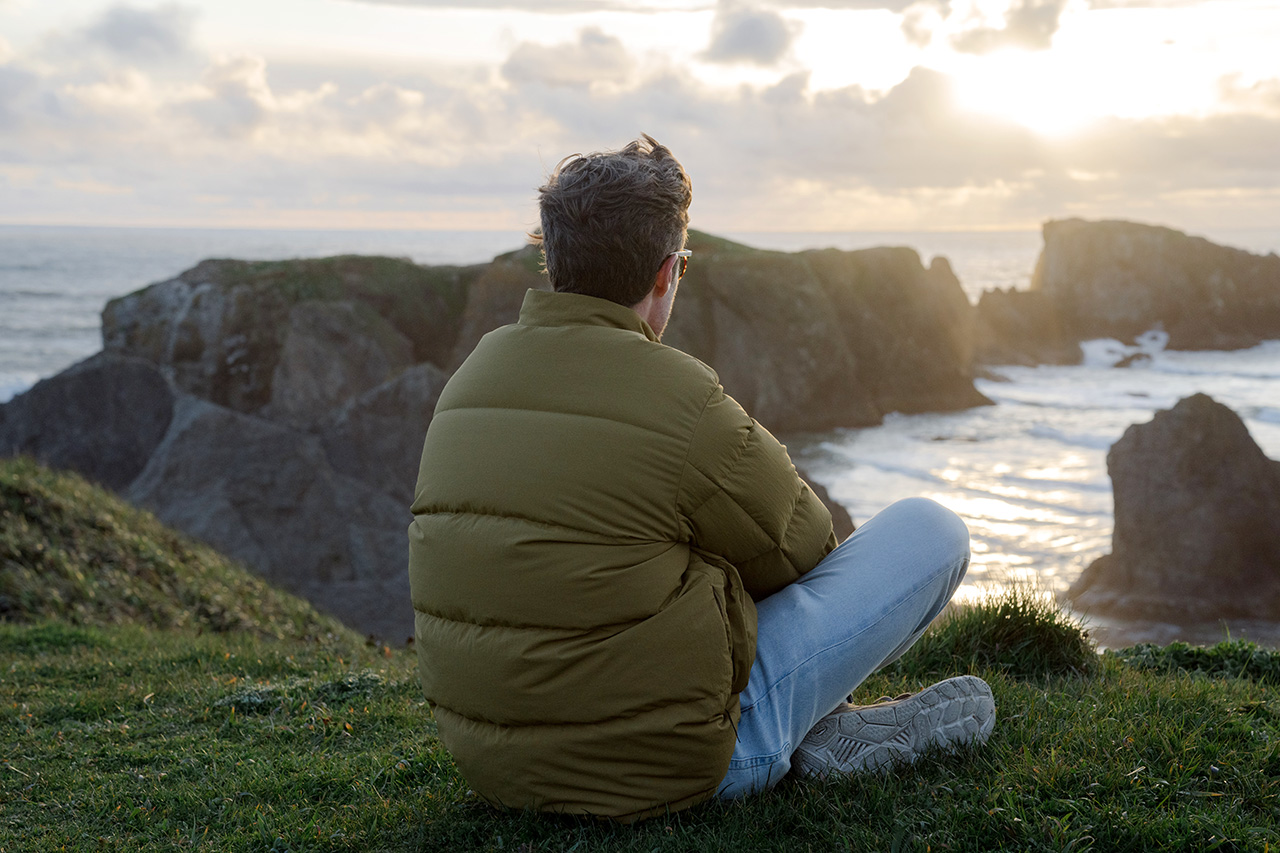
(744, 501)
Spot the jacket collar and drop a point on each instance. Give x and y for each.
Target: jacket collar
(546, 308)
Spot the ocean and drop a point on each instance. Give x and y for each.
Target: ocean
(1028, 474)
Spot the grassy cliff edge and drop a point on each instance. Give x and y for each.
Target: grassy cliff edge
(154, 696)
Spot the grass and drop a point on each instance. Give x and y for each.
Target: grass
(120, 735)
(1019, 634)
(73, 552)
(1231, 658)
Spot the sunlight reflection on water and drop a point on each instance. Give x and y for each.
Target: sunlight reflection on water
(1029, 474)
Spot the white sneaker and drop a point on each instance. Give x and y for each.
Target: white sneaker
(867, 737)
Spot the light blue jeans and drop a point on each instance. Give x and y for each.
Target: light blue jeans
(857, 610)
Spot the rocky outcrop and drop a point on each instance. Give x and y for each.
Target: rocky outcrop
(1197, 522)
(767, 326)
(826, 338)
(277, 409)
(1114, 279)
(332, 352)
(220, 330)
(1022, 327)
(377, 437)
(322, 513)
(494, 299)
(910, 329)
(805, 341)
(259, 491)
(103, 418)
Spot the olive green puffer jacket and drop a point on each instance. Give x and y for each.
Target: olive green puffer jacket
(592, 520)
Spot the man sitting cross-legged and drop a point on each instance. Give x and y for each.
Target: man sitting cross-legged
(627, 601)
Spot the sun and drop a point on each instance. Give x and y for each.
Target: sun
(1027, 90)
(1118, 72)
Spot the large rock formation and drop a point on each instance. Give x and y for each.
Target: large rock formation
(240, 334)
(1115, 279)
(805, 341)
(1022, 327)
(1197, 522)
(332, 352)
(827, 338)
(277, 409)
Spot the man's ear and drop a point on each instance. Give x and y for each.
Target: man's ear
(662, 281)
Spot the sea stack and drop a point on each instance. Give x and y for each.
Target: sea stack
(1197, 522)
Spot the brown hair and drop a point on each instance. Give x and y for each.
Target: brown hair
(611, 218)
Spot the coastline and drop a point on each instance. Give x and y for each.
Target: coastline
(1026, 474)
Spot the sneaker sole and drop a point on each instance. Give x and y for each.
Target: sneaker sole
(952, 712)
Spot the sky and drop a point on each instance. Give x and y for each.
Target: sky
(790, 115)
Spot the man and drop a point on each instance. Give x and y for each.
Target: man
(626, 599)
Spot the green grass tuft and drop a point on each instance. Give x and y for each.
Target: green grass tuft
(73, 552)
(1228, 659)
(1017, 633)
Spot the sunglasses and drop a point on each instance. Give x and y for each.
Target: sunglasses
(683, 256)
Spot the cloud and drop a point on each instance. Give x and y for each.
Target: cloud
(919, 20)
(251, 141)
(1143, 4)
(595, 58)
(890, 5)
(544, 7)
(1261, 96)
(16, 88)
(143, 35)
(747, 34)
(643, 6)
(1028, 24)
(234, 97)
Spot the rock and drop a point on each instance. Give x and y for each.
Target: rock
(804, 341)
(821, 339)
(221, 344)
(377, 438)
(332, 353)
(1197, 522)
(265, 494)
(494, 298)
(102, 417)
(911, 330)
(765, 323)
(841, 521)
(1133, 358)
(1119, 279)
(1021, 327)
(219, 329)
